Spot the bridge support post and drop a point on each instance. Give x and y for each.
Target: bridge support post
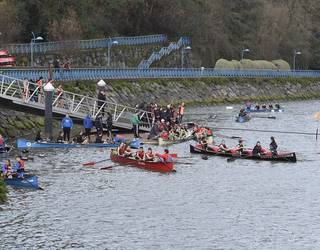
(48, 90)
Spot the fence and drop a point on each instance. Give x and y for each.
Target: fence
(44, 47)
(135, 73)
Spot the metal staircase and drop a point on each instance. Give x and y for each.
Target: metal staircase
(156, 56)
(77, 106)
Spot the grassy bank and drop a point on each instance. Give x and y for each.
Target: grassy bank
(3, 192)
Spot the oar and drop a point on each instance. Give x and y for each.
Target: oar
(92, 163)
(106, 168)
(265, 117)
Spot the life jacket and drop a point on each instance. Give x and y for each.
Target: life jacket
(209, 132)
(165, 157)
(21, 164)
(121, 150)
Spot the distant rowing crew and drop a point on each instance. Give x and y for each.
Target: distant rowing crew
(125, 151)
(240, 148)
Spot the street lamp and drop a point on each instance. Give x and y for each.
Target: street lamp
(244, 51)
(33, 40)
(295, 53)
(110, 44)
(183, 51)
(48, 91)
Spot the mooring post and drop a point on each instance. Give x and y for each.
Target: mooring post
(48, 90)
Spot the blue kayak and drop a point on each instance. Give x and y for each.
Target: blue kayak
(25, 144)
(29, 181)
(242, 119)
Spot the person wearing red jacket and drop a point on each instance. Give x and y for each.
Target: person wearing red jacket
(166, 157)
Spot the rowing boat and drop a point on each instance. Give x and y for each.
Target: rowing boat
(264, 110)
(242, 119)
(163, 142)
(23, 144)
(29, 181)
(281, 156)
(163, 167)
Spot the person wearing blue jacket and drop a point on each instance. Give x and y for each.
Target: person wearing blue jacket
(66, 125)
(88, 125)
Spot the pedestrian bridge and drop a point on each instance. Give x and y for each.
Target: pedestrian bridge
(13, 93)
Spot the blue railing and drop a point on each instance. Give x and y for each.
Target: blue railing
(135, 73)
(45, 47)
(156, 56)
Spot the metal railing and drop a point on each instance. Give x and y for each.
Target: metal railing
(135, 73)
(29, 94)
(156, 56)
(44, 47)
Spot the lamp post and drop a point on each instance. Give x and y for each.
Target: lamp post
(33, 39)
(110, 44)
(48, 90)
(183, 54)
(244, 51)
(295, 53)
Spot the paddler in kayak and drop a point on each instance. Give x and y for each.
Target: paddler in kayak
(6, 170)
(19, 169)
(140, 155)
(149, 156)
(242, 113)
(273, 146)
(166, 157)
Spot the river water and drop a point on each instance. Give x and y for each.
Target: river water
(212, 204)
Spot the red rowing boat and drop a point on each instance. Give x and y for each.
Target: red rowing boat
(163, 167)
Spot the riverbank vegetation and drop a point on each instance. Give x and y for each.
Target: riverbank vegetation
(271, 29)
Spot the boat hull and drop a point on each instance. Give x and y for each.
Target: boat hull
(24, 144)
(242, 119)
(163, 167)
(264, 110)
(281, 157)
(163, 142)
(30, 181)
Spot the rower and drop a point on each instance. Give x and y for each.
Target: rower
(264, 106)
(140, 154)
(257, 107)
(257, 150)
(223, 147)
(6, 169)
(166, 157)
(127, 151)
(270, 106)
(121, 149)
(273, 146)
(240, 147)
(204, 144)
(149, 156)
(277, 106)
(2, 144)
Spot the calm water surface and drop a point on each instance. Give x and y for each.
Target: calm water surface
(211, 204)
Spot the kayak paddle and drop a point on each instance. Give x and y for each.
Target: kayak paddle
(92, 163)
